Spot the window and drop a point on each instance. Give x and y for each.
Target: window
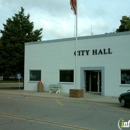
(66, 76)
(35, 75)
(125, 76)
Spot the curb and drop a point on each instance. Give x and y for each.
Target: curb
(64, 98)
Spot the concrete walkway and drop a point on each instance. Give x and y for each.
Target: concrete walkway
(91, 97)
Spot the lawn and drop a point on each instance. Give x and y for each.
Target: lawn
(11, 81)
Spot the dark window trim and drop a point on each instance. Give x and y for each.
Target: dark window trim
(125, 77)
(66, 81)
(34, 70)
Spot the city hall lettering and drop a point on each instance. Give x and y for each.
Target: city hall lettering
(93, 52)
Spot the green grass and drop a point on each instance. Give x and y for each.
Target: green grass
(11, 88)
(11, 81)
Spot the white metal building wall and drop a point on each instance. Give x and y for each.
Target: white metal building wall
(55, 55)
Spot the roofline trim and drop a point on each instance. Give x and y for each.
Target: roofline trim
(80, 38)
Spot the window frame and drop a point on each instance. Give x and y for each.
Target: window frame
(71, 82)
(30, 77)
(125, 84)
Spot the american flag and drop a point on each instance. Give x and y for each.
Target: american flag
(73, 5)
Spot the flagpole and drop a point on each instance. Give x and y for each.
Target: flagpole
(76, 44)
(74, 7)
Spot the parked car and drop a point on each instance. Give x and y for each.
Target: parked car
(124, 98)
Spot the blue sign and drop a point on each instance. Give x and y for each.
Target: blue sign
(19, 76)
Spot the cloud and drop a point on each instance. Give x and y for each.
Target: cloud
(57, 19)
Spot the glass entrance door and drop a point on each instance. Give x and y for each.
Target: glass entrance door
(93, 81)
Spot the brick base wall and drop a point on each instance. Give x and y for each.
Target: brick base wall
(76, 93)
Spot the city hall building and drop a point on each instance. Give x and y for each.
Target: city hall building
(103, 64)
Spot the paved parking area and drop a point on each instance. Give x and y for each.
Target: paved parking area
(31, 113)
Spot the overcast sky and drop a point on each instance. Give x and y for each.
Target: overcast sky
(57, 19)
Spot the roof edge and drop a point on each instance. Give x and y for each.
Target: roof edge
(80, 38)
